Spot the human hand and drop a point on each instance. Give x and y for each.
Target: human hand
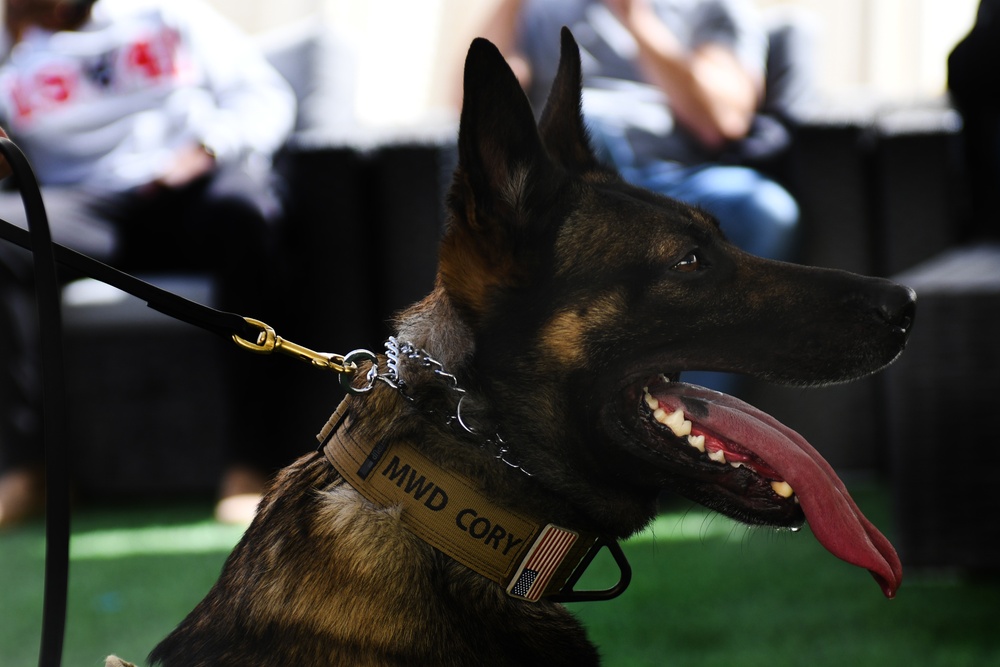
(631, 12)
(188, 165)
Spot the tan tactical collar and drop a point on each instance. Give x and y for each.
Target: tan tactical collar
(531, 559)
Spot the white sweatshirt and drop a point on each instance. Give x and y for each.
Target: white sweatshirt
(105, 106)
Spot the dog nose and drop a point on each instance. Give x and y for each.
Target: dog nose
(898, 308)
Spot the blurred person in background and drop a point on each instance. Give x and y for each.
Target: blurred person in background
(150, 125)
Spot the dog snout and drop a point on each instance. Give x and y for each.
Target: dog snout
(896, 305)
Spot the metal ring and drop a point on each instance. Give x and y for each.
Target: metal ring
(351, 360)
(458, 416)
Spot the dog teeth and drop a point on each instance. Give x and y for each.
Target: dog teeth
(682, 428)
(717, 455)
(783, 489)
(675, 422)
(650, 401)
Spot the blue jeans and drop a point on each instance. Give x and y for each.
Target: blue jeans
(755, 213)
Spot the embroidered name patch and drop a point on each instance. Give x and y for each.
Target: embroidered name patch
(440, 507)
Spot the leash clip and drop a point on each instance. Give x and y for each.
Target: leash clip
(268, 341)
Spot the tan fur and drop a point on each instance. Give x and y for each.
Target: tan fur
(360, 535)
(564, 337)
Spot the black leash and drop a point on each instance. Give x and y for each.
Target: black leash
(56, 458)
(38, 240)
(217, 321)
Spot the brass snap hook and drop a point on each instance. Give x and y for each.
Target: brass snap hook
(268, 341)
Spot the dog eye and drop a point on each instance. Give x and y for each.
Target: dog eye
(689, 263)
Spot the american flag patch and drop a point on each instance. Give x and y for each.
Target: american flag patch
(544, 558)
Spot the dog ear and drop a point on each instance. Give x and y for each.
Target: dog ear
(498, 141)
(562, 128)
(503, 173)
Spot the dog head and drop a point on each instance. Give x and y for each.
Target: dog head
(577, 301)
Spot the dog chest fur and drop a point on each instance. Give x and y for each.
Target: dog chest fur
(343, 582)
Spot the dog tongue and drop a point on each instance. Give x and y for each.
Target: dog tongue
(832, 514)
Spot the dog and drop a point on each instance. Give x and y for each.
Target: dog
(531, 405)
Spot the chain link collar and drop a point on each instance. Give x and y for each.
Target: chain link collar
(400, 353)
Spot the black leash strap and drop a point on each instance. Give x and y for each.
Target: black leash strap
(56, 457)
(217, 321)
(47, 254)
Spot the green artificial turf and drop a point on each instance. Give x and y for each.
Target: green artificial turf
(705, 592)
